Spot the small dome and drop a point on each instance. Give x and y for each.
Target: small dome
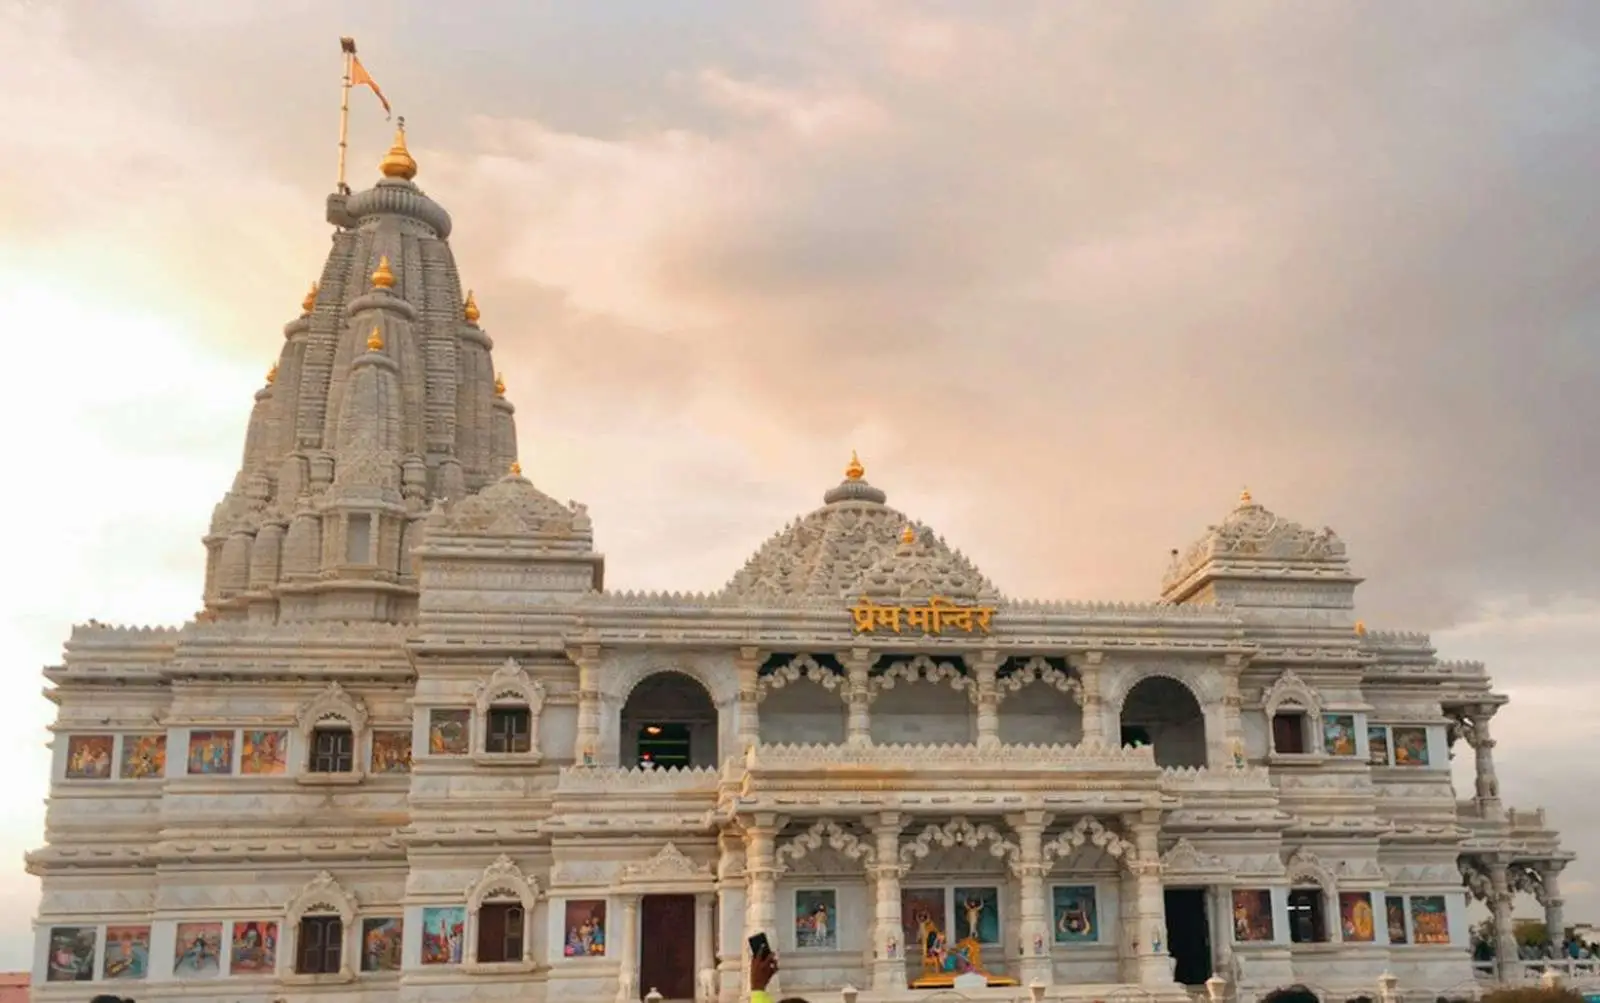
(854, 541)
(511, 506)
(1254, 536)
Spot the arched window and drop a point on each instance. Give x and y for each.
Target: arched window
(499, 909)
(509, 705)
(669, 721)
(319, 923)
(333, 730)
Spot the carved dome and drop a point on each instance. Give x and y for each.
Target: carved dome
(853, 542)
(1256, 537)
(511, 506)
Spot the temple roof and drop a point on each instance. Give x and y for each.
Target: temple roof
(855, 544)
(1253, 540)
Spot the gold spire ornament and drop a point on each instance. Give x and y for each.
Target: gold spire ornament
(516, 469)
(375, 341)
(272, 374)
(1244, 497)
(499, 385)
(397, 163)
(310, 302)
(382, 276)
(469, 309)
(1361, 628)
(855, 471)
(908, 536)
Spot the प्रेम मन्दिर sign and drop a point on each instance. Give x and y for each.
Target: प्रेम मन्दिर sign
(934, 618)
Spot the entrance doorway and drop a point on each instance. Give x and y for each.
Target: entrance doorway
(666, 946)
(1189, 935)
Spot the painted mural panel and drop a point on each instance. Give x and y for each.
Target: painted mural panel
(197, 951)
(381, 941)
(1429, 922)
(1378, 745)
(1394, 910)
(210, 753)
(391, 752)
(264, 753)
(71, 954)
(1252, 915)
(254, 950)
(585, 928)
(89, 757)
(1076, 914)
(449, 730)
(127, 952)
(443, 933)
(1356, 920)
(922, 914)
(978, 914)
(1410, 746)
(144, 757)
(1339, 734)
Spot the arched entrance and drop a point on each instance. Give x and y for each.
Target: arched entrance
(669, 722)
(1163, 713)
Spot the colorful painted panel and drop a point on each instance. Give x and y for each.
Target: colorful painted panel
(381, 940)
(816, 919)
(89, 757)
(1356, 918)
(264, 753)
(1429, 923)
(978, 915)
(210, 753)
(1378, 745)
(448, 731)
(1394, 908)
(1075, 912)
(197, 950)
(443, 932)
(585, 929)
(1252, 915)
(923, 917)
(71, 954)
(144, 757)
(391, 752)
(127, 952)
(1410, 746)
(254, 949)
(1339, 734)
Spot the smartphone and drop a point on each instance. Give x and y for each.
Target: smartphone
(759, 945)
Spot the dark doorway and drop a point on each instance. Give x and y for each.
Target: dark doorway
(666, 946)
(1189, 935)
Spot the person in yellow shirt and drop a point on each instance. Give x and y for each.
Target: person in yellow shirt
(763, 967)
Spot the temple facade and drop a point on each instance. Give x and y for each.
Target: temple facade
(412, 748)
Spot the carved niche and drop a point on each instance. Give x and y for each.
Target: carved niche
(1289, 690)
(510, 684)
(321, 896)
(333, 703)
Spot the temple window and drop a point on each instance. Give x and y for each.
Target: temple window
(1307, 924)
(321, 946)
(1136, 735)
(500, 932)
(1163, 713)
(332, 750)
(1289, 733)
(509, 729)
(669, 720)
(358, 539)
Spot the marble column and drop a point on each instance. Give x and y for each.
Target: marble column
(1089, 672)
(858, 702)
(628, 952)
(732, 972)
(984, 665)
(1555, 916)
(1232, 738)
(1155, 965)
(748, 665)
(585, 747)
(1031, 870)
(888, 949)
(1500, 901)
(761, 877)
(1486, 783)
(705, 946)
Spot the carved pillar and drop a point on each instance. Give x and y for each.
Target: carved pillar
(1487, 784)
(705, 947)
(749, 667)
(1154, 963)
(733, 974)
(1505, 937)
(857, 696)
(1094, 719)
(888, 951)
(1031, 870)
(628, 951)
(1232, 730)
(585, 748)
(1555, 917)
(984, 666)
(761, 877)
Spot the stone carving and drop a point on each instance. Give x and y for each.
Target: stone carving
(1185, 859)
(1290, 690)
(1085, 757)
(333, 702)
(511, 681)
(1252, 534)
(511, 506)
(798, 668)
(921, 668)
(322, 895)
(1040, 670)
(583, 872)
(669, 862)
(1089, 831)
(919, 568)
(1303, 865)
(828, 832)
(502, 879)
(957, 832)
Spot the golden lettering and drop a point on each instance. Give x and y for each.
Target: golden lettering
(931, 618)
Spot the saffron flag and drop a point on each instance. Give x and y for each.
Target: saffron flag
(360, 76)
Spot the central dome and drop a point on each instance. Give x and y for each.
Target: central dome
(853, 545)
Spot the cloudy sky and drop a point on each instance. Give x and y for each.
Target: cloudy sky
(1067, 275)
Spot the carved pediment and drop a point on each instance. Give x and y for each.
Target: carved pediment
(322, 895)
(1291, 690)
(333, 702)
(1304, 865)
(510, 682)
(1186, 859)
(669, 863)
(503, 879)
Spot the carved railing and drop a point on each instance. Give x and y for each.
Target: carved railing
(1204, 780)
(1061, 758)
(636, 779)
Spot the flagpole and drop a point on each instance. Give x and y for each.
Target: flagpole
(348, 46)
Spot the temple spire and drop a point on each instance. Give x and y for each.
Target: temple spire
(398, 163)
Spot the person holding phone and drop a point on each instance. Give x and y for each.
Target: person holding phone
(763, 966)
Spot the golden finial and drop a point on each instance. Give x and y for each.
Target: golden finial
(516, 469)
(1361, 628)
(855, 471)
(469, 309)
(310, 302)
(375, 341)
(382, 277)
(397, 163)
(908, 536)
(499, 385)
(272, 374)
(1244, 497)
